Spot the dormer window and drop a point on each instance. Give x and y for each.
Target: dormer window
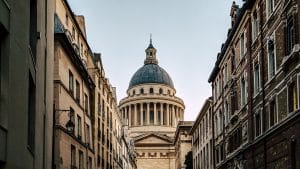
(151, 91)
(133, 92)
(142, 91)
(160, 91)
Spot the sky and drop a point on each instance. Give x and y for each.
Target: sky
(186, 33)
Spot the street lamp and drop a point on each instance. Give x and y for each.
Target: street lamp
(70, 126)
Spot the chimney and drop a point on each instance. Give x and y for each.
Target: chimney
(233, 13)
(80, 20)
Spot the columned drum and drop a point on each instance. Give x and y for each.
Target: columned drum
(151, 112)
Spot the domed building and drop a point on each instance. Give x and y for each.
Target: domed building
(151, 112)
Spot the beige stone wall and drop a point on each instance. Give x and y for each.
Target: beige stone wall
(154, 163)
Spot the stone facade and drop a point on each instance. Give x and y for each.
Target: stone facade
(85, 100)
(26, 88)
(202, 138)
(182, 143)
(151, 112)
(255, 86)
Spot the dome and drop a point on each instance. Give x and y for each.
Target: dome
(151, 73)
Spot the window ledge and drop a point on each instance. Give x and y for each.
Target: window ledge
(293, 53)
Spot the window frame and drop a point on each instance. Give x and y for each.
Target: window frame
(73, 156)
(71, 83)
(295, 82)
(272, 37)
(256, 88)
(255, 25)
(268, 11)
(276, 118)
(258, 112)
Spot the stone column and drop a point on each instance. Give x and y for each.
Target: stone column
(174, 116)
(148, 114)
(126, 117)
(129, 114)
(141, 114)
(168, 115)
(135, 115)
(155, 114)
(161, 114)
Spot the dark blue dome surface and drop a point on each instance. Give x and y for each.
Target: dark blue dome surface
(151, 73)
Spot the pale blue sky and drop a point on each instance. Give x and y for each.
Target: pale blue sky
(187, 34)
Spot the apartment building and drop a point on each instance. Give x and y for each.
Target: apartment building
(255, 86)
(26, 88)
(88, 130)
(182, 143)
(202, 138)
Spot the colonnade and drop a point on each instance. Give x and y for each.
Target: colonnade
(150, 113)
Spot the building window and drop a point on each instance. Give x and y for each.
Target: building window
(77, 86)
(151, 91)
(151, 117)
(256, 73)
(243, 92)
(80, 159)
(86, 104)
(216, 125)
(271, 58)
(31, 103)
(242, 45)
(270, 7)
(79, 131)
(73, 156)
(160, 91)
(258, 123)
(133, 92)
(72, 117)
(225, 74)
(220, 122)
(142, 91)
(290, 35)
(273, 113)
(255, 25)
(71, 83)
(87, 133)
(292, 97)
(90, 163)
(232, 63)
(226, 113)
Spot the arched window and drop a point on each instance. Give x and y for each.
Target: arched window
(142, 91)
(133, 92)
(160, 91)
(151, 90)
(169, 92)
